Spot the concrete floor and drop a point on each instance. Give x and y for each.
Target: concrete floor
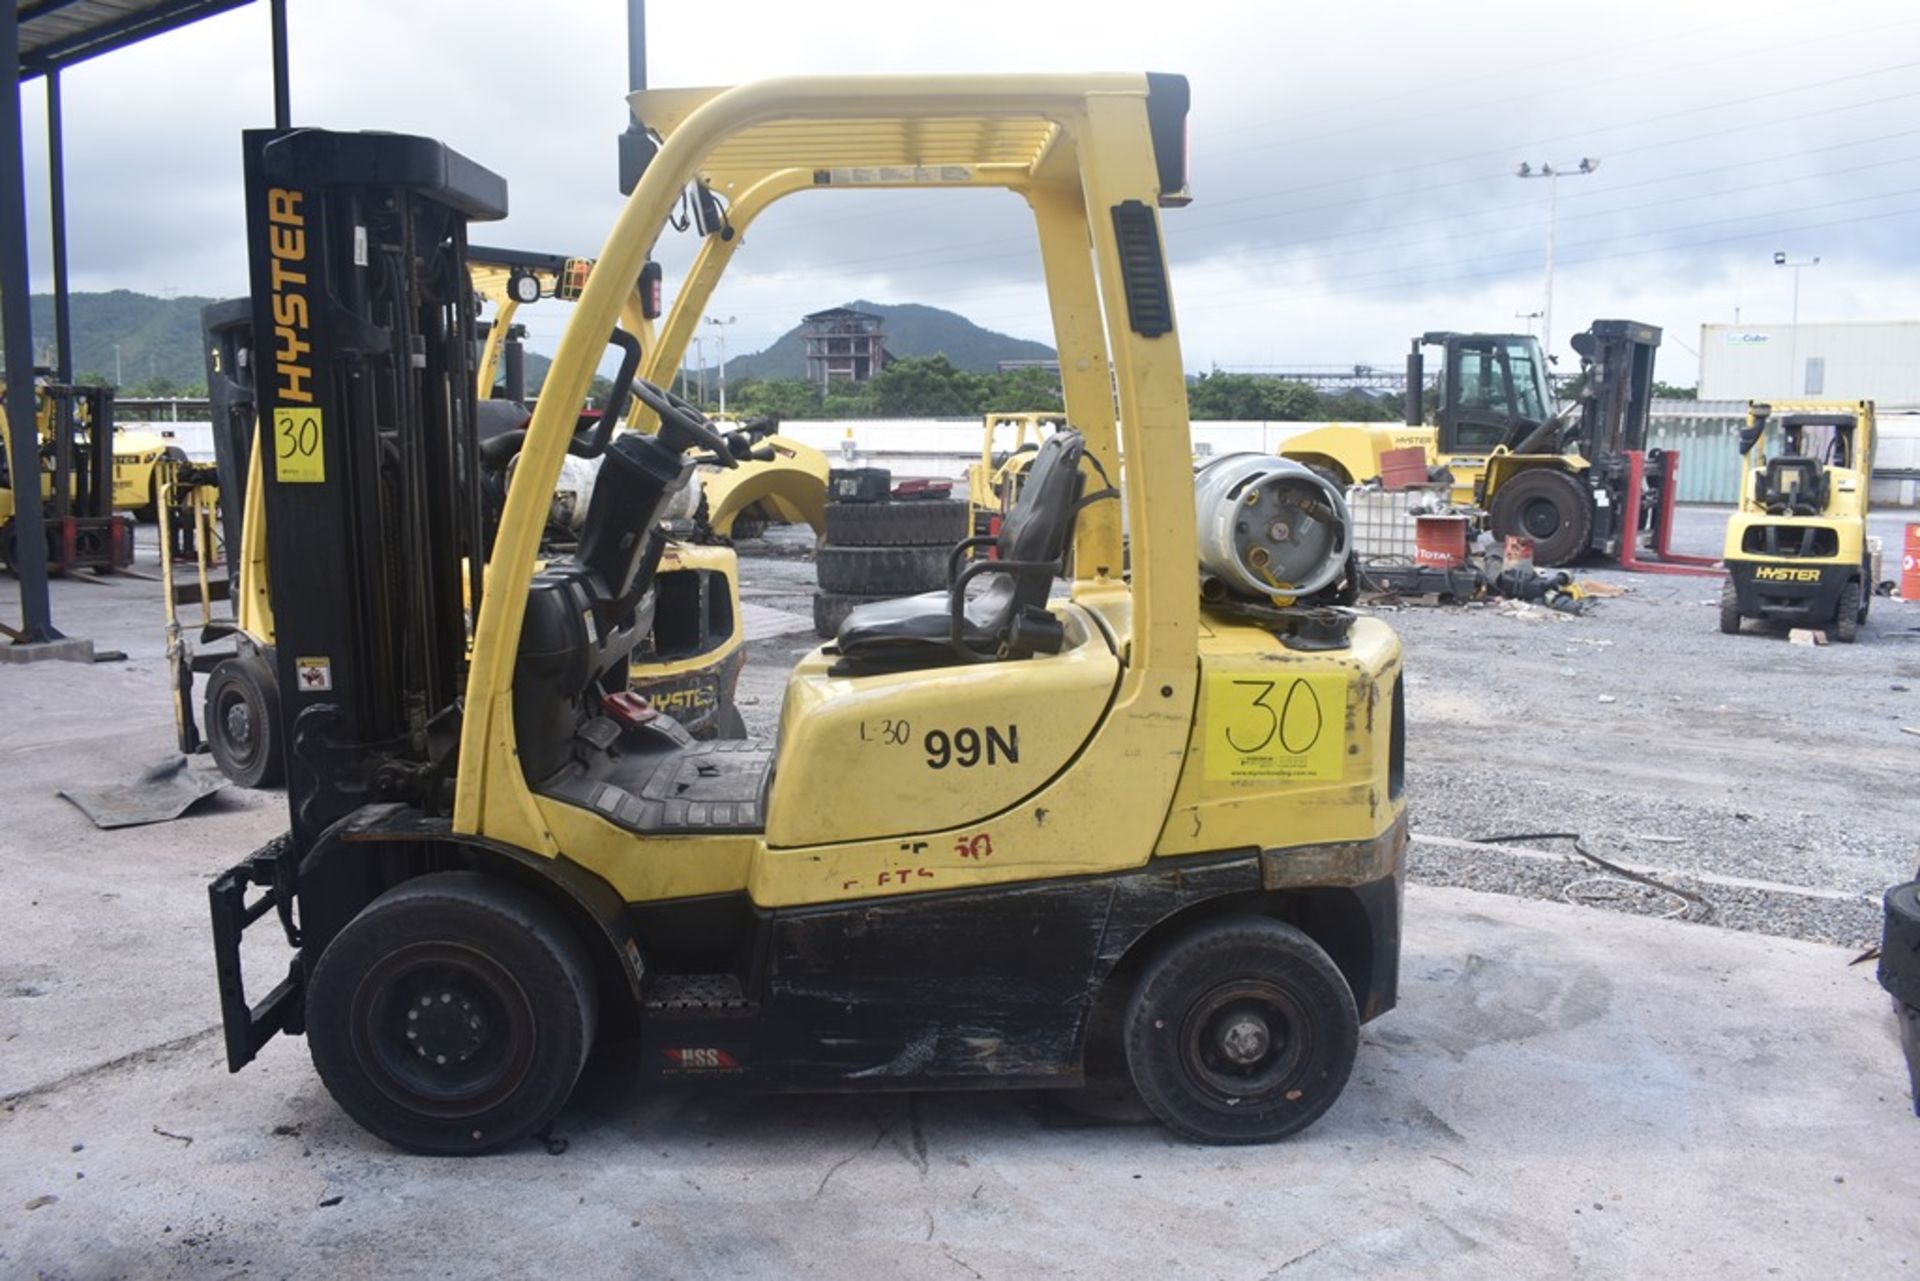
(1561, 1091)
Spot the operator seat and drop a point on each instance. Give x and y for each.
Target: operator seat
(1793, 485)
(1007, 620)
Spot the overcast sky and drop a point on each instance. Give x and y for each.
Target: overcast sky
(1352, 163)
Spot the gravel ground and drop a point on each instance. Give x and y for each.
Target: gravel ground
(1666, 745)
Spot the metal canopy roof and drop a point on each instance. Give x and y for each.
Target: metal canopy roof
(58, 33)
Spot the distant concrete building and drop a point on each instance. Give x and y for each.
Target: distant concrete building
(1865, 360)
(1014, 366)
(843, 344)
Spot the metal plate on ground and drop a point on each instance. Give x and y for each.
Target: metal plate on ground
(163, 793)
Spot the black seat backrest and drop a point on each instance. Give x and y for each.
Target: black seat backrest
(1041, 522)
(1794, 484)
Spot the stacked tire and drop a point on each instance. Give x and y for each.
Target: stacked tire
(879, 547)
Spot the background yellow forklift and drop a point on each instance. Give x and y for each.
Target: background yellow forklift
(80, 481)
(1796, 547)
(993, 483)
(1000, 837)
(1574, 480)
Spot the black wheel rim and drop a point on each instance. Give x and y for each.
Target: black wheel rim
(233, 719)
(1245, 1042)
(442, 1029)
(1540, 519)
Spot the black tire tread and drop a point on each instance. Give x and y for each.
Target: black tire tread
(261, 685)
(927, 522)
(1238, 944)
(1729, 608)
(1846, 617)
(880, 571)
(1570, 542)
(447, 895)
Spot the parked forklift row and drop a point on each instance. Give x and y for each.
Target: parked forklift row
(1583, 481)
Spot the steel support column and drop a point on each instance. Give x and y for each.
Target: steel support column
(57, 202)
(282, 96)
(16, 318)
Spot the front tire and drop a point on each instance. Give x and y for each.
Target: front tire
(1729, 609)
(243, 721)
(1846, 619)
(1551, 508)
(1241, 1032)
(452, 1016)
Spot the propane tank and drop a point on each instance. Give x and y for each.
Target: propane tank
(1269, 526)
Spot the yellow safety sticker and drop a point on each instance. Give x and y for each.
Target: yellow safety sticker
(299, 447)
(1276, 727)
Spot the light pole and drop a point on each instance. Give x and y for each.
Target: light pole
(1780, 259)
(1528, 316)
(721, 325)
(1553, 175)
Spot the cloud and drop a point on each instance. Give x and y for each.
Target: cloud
(1352, 164)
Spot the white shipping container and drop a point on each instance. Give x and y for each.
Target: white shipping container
(1862, 360)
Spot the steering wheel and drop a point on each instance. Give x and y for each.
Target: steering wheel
(690, 422)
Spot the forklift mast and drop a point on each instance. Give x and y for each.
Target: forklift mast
(356, 246)
(1616, 400)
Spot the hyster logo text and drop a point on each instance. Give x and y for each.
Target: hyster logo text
(292, 320)
(1786, 574)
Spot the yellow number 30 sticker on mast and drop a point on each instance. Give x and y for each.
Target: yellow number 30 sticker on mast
(1276, 727)
(299, 447)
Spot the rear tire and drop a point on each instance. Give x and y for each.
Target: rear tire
(1846, 619)
(242, 716)
(1729, 609)
(1551, 508)
(453, 1015)
(881, 571)
(1241, 1032)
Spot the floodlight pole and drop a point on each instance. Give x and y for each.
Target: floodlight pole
(721, 325)
(1780, 259)
(1553, 175)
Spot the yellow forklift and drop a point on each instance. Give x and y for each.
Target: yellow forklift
(1003, 838)
(993, 483)
(1796, 547)
(1573, 479)
(79, 481)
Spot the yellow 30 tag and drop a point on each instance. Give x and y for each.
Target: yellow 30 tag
(299, 453)
(1276, 727)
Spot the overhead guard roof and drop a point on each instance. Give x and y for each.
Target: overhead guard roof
(923, 129)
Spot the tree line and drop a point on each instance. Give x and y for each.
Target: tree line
(932, 387)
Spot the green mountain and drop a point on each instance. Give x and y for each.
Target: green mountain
(159, 341)
(158, 338)
(911, 330)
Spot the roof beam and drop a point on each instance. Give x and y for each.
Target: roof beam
(118, 34)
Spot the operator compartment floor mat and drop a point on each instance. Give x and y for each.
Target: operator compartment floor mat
(702, 787)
